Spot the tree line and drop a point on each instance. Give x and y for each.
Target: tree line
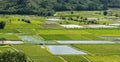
(49, 7)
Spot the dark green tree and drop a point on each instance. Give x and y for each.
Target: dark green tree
(105, 13)
(2, 24)
(10, 56)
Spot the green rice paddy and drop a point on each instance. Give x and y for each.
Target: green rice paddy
(52, 33)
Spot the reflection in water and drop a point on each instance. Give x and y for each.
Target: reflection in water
(63, 50)
(31, 39)
(111, 37)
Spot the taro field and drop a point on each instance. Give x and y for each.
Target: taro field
(36, 36)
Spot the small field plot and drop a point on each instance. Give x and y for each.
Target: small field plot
(72, 26)
(63, 50)
(37, 53)
(99, 26)
(55, 37)
(50, 26)
(70, 37)
(85, 42)
(13, 26)
(27, 31)
(9, 31)
(9, 36)
(84, 37)
(100, 49)
(11, 42)
(77, 31)
(82, 13)
(31, 39)
(47, 59)
(4, 48)
(74, 58)
(115, 24)
(114, 58)
(51, 22)
(111, 37)
(69, 34)
(38, 20)
(30, 26)
(76, 37)
(105, 32)
(118, 38)
(52, 31)
(53, 19)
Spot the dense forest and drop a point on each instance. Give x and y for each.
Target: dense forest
(48, 7)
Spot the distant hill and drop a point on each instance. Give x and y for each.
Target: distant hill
(48, 7)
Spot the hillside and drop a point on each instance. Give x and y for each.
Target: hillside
(48, 7)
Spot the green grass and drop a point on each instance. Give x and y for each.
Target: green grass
(60, 31)
(91, 37)
(100, 49)
(112, 58)
(105, 32)
(80, 13)
(27, 31)
(74, 58)
(4, 48)
(22, 26)
(49, 34)
(32, 50)
(38, 20)
(37, 53)
(83, 37)
(13, 26)
(55, 37)
(76, 37)
(52, 32)
(9, 36)
(30, 26)
(70, 37)
(47, 59)
(77, 32)
(51, 26)
(9, 31)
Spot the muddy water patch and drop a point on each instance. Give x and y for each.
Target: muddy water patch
(31, 39)
(63, 50)
(86, 42)
(11, 42)
(114, 38)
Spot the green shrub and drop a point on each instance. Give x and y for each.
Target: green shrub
(2, 25)
(9, 56)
